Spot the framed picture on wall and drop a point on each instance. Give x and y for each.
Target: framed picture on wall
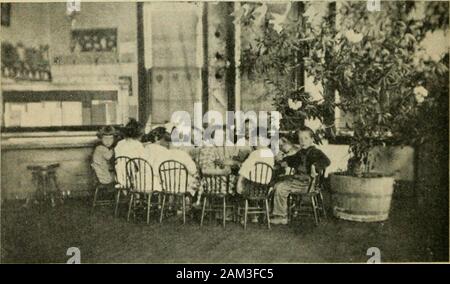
(6, 14)
(94, 40)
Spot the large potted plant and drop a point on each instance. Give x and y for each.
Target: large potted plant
(378, 65)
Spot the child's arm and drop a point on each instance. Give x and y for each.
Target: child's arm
(292, 161)
(109, 153)
(313, 171)
(320, 160)
(240, 185)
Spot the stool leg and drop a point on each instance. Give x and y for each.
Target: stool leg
(47, 190)
(58, 193)
(35, 195)
(40, 196)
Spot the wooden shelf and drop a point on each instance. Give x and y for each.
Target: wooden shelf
(12, 85)
(47, 140)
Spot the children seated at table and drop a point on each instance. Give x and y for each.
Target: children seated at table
(307, 162)
(103, 155)
(192, 149)
(158, 152)
(185, 159)
(212, 160)
(213, 153)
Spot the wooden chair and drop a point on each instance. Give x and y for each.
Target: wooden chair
(174, 182)
(98, 188)
(141, 177)
(122, 181)
(297, 200)
(257, 191)
(216, 188)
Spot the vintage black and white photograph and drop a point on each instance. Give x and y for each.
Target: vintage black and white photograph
(256, 132)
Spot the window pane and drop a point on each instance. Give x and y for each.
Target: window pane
(175, 49)
(60, 108)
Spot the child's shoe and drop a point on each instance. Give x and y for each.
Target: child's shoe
(279, 221)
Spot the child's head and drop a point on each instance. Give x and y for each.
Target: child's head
(285, 145)
(106, 135)
(157, 134)
(164, 140)
(133, 129)
(305, 137)
(154, 135)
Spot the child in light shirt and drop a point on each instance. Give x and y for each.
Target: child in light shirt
(103, 156)
(130, 147)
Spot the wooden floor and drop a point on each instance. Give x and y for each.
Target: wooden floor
(30, 237)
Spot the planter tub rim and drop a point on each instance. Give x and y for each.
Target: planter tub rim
(375, 175)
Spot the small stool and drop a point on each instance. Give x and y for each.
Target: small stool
(44, 178)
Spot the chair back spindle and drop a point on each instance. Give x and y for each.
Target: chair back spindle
(317, 181)
(174, 177)
(140, 175)
(216, 184)
(120, 171)
(260, 179)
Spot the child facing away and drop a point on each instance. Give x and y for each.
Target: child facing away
(307, 162)
(103, 156)
(130, 146)
(261, 154)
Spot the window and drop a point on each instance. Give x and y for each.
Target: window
(174, 55)
(68, 108)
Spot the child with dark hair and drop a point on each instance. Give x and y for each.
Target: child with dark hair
(130, 146)
(307, 162)
(156, 150)
(103, 155)
(154, 135)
